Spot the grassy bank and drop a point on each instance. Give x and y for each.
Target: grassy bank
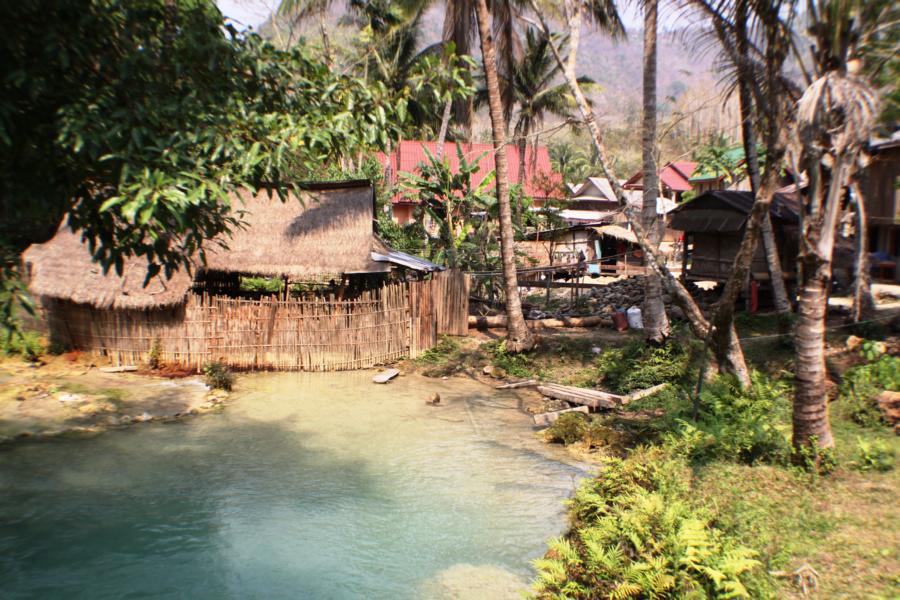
(697, 496)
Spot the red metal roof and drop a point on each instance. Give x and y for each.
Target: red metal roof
(539, 175)
(675, 176)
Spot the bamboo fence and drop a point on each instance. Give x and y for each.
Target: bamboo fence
(317, 333)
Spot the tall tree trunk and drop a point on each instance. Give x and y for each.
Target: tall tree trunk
(656, 324)
(810, 421)
(445, 124)
(730, 358)
(751, 156)
(518, 335)
(517, 208)
(863, 303)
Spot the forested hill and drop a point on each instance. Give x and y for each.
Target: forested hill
(615, 65)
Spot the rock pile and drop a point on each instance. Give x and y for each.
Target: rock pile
(619, 295)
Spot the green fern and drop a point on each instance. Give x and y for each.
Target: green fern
(637, 535)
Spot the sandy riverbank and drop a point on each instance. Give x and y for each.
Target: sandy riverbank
(70, 396)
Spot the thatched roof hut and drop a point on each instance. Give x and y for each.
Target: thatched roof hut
(324, 231)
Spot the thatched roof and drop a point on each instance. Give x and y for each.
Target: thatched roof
(617, 232)
(326, 231)
(63, 268)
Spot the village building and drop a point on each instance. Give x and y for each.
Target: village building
(713, 225)
(881, 192)
(674, 180)
(340, 298)
(539, 182)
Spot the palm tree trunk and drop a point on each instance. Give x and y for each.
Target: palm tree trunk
(518, 335)
(811, 427)
(751, 156)
(517, 208)
(863, 303)
(731, 357)
(656, 324)
(445, 124)
(810, 420)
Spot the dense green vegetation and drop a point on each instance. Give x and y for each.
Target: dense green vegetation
(218, 375)
(716, 469)
(639, 533)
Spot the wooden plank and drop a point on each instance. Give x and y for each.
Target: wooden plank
(591, 398)
(385, 376)
(643, 393)
(518, 384)
(560, 284)
(121, 369)
(544, 419)
(499, 321)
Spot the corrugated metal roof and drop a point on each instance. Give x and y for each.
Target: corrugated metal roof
(382, 253)
(620, 233)
(727, 210)
(407, 155)
(675, 175)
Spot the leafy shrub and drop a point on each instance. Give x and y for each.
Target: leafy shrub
(875, 455)
(441, 352)
(638, 365)
(264, 285)
(731, 423)
(578, 427)
(569, 428)
(153, 357)
(863, 383)
(29, 344)
(636, 535)
(515, 364)
(218, 375)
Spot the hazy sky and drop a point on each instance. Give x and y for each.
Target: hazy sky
(254, 12)
(247, 12)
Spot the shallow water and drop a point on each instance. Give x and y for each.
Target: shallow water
(310, 486)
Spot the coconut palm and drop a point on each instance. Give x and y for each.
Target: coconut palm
(518, 336)
(656, 324)
(835, 117)
(536, 95)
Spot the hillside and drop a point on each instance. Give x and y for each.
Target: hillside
(691, 106)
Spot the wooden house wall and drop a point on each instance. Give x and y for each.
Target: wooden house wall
(712, 254)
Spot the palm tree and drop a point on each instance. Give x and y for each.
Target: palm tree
(725, 344)
(534, 92)
(518, 336)
(656, 324)
(460, 24)
(535, 95)
(836, 115)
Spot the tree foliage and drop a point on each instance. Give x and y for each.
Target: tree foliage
(459, 209)
(138, 118)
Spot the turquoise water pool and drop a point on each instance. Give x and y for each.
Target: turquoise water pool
(307, 486)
